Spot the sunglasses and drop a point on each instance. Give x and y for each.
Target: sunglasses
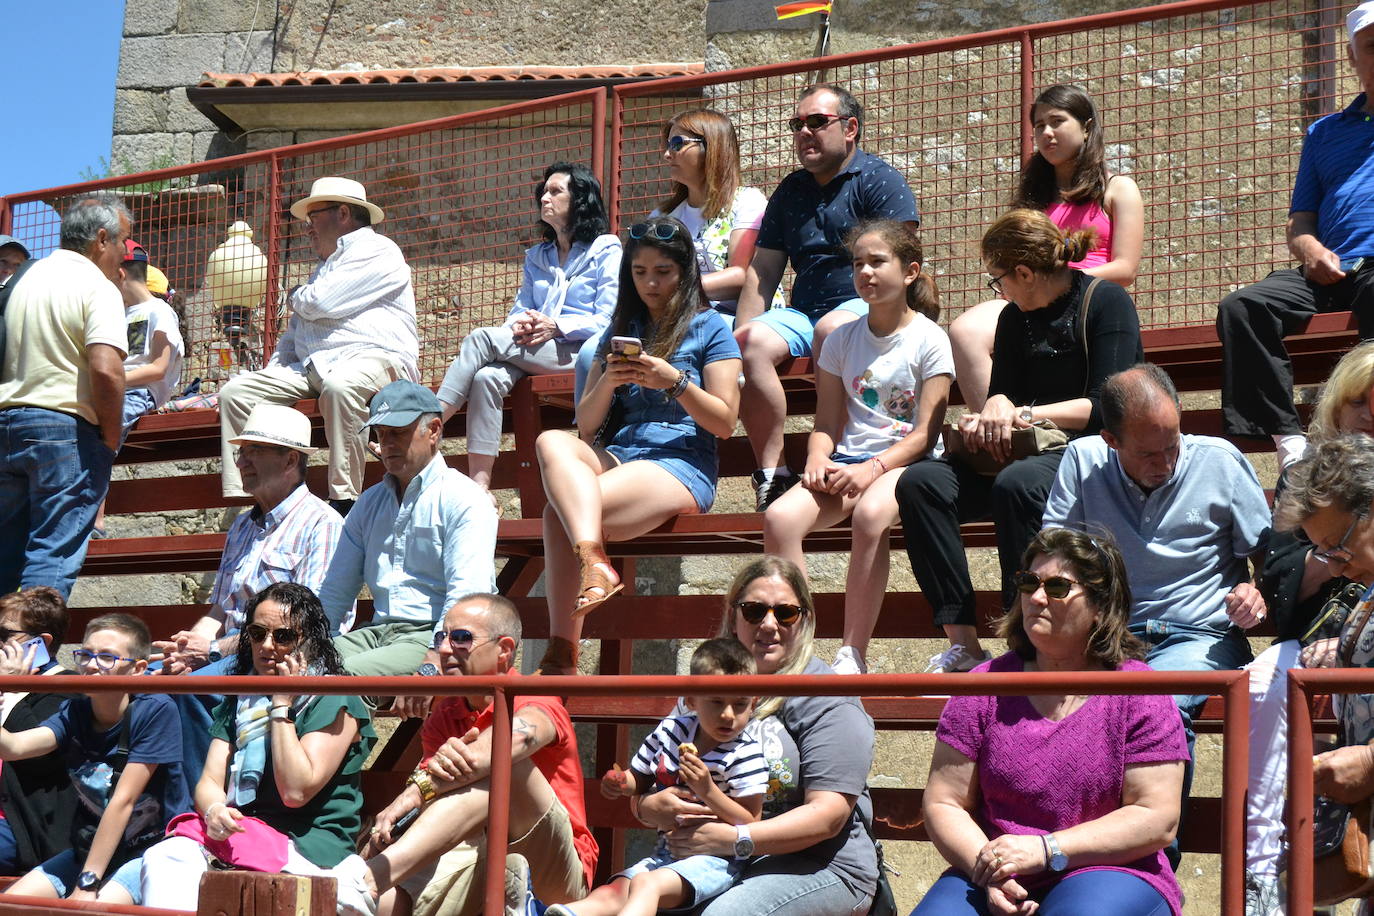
(661, 231)
(103, 660)
(676, 142)
(755, 611)
(1055, 586)
(460, 639)
(1340, 553)
(282, 636)
(6, 634)
(812, 122)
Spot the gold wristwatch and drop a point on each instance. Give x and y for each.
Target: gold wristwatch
(420, 780)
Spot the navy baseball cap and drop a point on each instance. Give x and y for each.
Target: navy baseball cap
(8, 240)
(401, 403)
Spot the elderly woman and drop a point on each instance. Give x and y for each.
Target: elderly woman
(565, 298)
(1054, 804)
(281, 787)
(1051, 361)
(818, 856)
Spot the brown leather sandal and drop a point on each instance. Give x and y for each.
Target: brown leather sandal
(559, 658)
(595, 587)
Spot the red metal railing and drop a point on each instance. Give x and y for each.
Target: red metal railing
(1232, 686)
(1203, 104)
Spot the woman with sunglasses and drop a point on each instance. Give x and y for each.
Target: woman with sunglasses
(1055, 804)
(647, 428)
(278, 765)
(882, 384)
(818, 855)
(1050, 365)
(1068, 178)
(565, 298)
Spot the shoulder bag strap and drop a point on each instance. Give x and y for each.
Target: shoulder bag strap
(1083, 331)
(121, 756)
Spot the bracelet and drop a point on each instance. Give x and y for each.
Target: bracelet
(211, 810)
(879, 462)
(678, 387)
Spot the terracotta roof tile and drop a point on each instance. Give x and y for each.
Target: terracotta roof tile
(448, 75)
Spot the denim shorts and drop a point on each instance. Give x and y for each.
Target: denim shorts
(707, 876)
(842, 458)
(137, 402)
(796, 328)
(63, 869)
(700, 483)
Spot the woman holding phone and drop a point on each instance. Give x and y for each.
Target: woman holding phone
(647, 424)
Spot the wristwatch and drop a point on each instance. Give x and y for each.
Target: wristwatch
(1057, 860)
(420, 780)
(744, 843)
(214, 654)
(428, 669)
(1027, 416)
(281, 714)
(87, 881)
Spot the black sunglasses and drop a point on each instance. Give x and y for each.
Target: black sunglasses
(812, 122)
(282, 636)
(661, 231)
(676, 142)
(755, 611)
(6, 634)
(460, 638)
(1055, 586)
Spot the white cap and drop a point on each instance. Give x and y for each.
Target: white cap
(1360, 17)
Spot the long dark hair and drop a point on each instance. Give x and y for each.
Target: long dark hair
(1038, 187)
(304, 613)
(587, 217)
(688, 299)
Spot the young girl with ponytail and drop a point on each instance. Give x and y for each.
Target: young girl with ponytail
(882, 386)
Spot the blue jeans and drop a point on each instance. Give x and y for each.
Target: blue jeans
(1080, 894)
(196, 719)
(790, 886)
(54, 474)
(9, 851)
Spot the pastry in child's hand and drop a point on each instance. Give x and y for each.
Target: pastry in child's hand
(686, 747)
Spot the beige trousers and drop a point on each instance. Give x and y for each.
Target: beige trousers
(344, 394)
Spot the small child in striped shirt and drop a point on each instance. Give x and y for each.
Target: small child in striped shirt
(708, 753)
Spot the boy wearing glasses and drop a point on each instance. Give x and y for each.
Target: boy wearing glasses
(123, 752)
(707, 751)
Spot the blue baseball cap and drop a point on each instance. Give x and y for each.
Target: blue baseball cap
(400, 403)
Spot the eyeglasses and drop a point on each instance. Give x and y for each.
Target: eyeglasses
(460, 638)
(311, 214)
(812, 122)
(251, 451)
(661, 231)
(282, 636)
(1055, 586)
(995, 284)
(1340, 553)
(677, 141)
(755, 611)
(6, 634)
(103, 660)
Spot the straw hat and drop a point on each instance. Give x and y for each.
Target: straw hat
(275, 424)
(339, 190)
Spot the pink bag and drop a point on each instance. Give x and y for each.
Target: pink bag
(257, 847)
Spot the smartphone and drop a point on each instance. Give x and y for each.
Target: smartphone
(625, 347)
(40, 653)
(1351, 265)
(403, 823)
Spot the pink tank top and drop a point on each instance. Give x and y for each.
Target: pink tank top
(1069, 217)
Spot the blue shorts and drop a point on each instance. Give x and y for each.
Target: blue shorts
(137, 402)
(842, 458)
(707, 876)
(796, 328)
(689, 473)
(63, 869)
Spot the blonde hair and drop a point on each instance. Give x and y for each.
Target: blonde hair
(1351, 380)
(803, 647)
(1029, 237)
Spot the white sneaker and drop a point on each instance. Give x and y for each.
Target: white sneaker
(559, 909)
(847, 661)
(519, 899)
(955, 659)
(355, 897)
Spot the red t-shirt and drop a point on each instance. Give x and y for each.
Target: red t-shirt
(557, 760)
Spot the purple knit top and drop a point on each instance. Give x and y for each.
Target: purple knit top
(1038, 776)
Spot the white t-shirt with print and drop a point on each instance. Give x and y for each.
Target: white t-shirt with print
(883, 378)
(144, 320)
(712, 237)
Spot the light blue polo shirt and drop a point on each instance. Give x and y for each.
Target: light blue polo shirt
(1186, 544)
(1336, 180)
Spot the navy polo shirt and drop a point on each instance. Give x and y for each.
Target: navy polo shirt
(809, 222)
(1336, 180)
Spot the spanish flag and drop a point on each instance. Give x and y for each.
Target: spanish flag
(801, 8)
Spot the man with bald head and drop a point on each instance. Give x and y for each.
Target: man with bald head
(1188, 514)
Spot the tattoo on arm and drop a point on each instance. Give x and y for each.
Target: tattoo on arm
(528, 733)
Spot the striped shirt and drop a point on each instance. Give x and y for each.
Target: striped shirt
(292, 543)
(357, 299)
(737, 766)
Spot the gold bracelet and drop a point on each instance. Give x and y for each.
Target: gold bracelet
(421, 780)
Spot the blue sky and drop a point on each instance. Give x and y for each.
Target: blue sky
(58, 69)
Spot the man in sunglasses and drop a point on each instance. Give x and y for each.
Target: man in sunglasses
(434, 864)
(837, 187)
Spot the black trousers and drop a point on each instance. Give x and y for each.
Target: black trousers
(935, 497)
(1256, 373)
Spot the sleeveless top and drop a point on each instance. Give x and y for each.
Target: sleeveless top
(1070, 217)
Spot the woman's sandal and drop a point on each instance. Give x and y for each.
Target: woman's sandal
(595, 587)
(559, 658)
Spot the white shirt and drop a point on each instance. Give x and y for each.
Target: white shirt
(144, 320)
(712, 237)
(357, 299)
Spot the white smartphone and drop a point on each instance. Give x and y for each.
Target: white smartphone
(40, 654)
(625, 347)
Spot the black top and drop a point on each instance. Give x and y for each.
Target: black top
(36, 794)
(1038, 356)
(1280, 578)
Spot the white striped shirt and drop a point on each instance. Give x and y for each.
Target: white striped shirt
(737, 766)
(357, 299)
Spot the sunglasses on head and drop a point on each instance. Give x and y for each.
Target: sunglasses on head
(282, 636)
(676, 142)
(460, 638)
(661, 231)
(812, 122)
(755, 611)
(1055, 586)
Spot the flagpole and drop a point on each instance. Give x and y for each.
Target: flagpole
(822, 47)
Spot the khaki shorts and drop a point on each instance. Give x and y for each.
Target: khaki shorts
(454, 884)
